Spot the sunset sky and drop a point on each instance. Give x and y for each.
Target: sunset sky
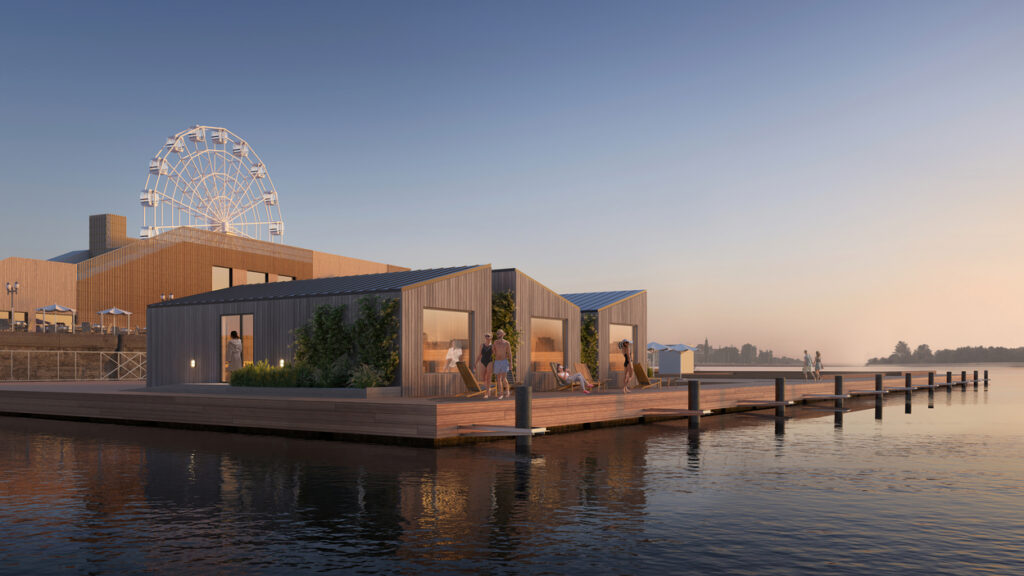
(822, 175)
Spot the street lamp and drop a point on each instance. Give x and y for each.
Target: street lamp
(11, 291)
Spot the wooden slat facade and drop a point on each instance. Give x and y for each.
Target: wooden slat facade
(630, 311)
(534, 300)
(466, 291)
(41, 283)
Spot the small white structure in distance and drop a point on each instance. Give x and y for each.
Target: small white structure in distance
(676, 359)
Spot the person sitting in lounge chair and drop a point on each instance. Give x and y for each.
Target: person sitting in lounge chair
(568, 378)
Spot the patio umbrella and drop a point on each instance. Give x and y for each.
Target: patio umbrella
(681, 348)
(115, 311)
(656, 346)
(55, 308)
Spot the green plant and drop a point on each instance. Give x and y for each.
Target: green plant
(503, 317)
(375, 337)
(325, 344)
(365, 376)
(263, 374)
(588, 343)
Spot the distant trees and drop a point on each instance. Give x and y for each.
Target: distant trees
(748, 354)
(923, 355)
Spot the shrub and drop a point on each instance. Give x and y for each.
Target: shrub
(263, 374)
(503, 317)
(365, 376)
(588, 343)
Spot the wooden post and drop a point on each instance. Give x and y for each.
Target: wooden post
(524, 417)
(838, 404)
(931, 389)
(780, 396)
(963, 379)
(878, 397)
(909, 391)
(986, 378)
(949, 380)
(975, 379)
(693, 403)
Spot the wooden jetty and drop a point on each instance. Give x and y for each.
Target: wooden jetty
(434, 421)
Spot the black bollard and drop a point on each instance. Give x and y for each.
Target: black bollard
(963, 379)
(780, 396)
(931, 389)
(524, 418)
(986, 378)
(909, 392)
(975, 379)
(693, 403)
(878, 397)
(838, 379)
(949, 380)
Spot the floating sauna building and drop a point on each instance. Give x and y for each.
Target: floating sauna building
(618, 316)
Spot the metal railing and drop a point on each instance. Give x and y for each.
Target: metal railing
(55, 365)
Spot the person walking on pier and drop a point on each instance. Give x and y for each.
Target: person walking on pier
(808, 366)
(502, 355)
(817, 366)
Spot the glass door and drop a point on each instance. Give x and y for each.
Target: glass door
(240, 324)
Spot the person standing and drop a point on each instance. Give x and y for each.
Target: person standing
(808, 366)
(485, 364)
(627, 366)
(234, 353)
(817, 366)
(502, 356)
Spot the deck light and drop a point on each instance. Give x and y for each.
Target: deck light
(281, 363)
(192, 363)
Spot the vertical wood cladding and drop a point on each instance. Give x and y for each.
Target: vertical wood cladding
(535, 300)
(467, 291)
(41, 283)
(180, 261)
(632, 310)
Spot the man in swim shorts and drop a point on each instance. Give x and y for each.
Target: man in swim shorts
(502, 355)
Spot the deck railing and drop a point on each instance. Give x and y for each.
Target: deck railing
(55, 365)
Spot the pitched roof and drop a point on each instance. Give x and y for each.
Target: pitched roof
(594, 301)
(362, 284)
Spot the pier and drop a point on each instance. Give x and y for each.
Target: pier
(325, 413)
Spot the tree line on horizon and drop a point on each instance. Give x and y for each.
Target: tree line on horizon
(923, 354)
(748, 354)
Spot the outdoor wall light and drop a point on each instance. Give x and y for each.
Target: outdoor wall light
(281, 363)
(192, 363)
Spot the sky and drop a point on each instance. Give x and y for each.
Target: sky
(834, 176)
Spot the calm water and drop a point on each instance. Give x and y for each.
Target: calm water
(936, 491)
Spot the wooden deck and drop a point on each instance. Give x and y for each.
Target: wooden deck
(417, 421)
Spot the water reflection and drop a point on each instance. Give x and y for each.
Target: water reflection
(113, 499)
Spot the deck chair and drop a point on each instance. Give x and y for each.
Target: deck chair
(562, 384)
(473, 387)
(642, 381)
(585, 370)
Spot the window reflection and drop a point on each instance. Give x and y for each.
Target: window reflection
(445, 340)
(547, 338)
(221, 278)
(616, 334)
(255, 277)
(243, 325)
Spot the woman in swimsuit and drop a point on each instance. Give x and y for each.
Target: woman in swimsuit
(485, 364)
(627, 366)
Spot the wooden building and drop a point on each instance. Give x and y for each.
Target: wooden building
(444, 314)
(618, 316)
(40, 283)
(548, 325)
(128, 273)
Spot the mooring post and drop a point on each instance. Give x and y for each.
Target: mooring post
(986, 378)
(780, 396)
(949, 380)
(909, 390)
(838, 379)
(963, 379)
(931, 389)
(975, 379)
(878, 396)
(524, 417)
(693, 403)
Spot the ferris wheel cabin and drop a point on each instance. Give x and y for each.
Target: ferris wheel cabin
(158, 166)
(149, 198)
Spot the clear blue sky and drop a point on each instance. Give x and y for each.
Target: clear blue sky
(792, 174)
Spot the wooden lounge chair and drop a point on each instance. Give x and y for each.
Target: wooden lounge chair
(585, 370)
(473, 387)
(562, 384)
(642, 381)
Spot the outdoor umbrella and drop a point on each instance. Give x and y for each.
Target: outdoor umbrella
(656, 346)
(115, 311)
(55, 308)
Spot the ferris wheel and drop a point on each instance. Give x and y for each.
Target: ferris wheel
(207, 177)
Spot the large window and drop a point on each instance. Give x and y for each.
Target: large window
(255, 277)
(242, 324)
(283, 278)
(221, 278)
(445, 340)
(616, 334)
(547, 343)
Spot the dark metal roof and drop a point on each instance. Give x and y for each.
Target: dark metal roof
(594, 301)
(362, 284)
